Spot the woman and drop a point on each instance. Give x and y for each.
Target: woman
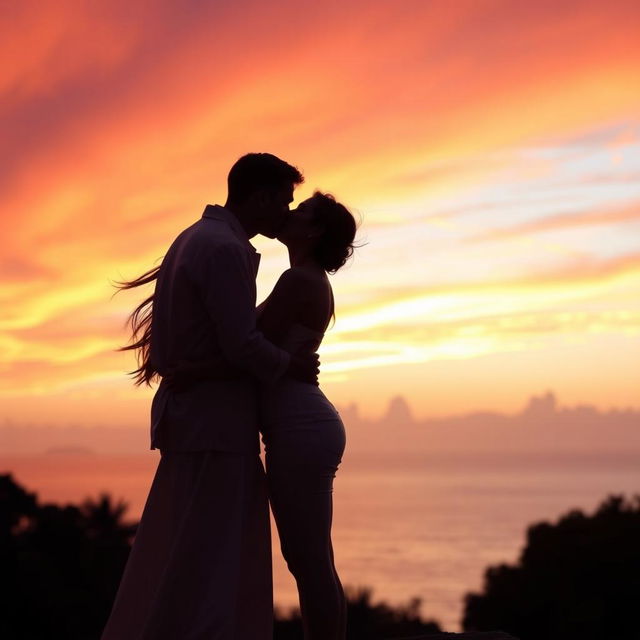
(303, 435)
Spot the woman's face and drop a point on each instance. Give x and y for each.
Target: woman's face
(300, 229)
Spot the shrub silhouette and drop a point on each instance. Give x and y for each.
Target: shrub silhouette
(61, 567)
(577, 579)
(366, 619)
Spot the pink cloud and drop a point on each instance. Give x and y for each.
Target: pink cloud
(619, 215)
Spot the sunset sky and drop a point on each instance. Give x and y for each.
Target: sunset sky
(491, 149)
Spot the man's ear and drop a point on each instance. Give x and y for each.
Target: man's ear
(263, 198)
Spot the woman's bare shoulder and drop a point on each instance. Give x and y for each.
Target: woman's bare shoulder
(300, 280)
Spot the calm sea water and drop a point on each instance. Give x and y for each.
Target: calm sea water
(423, 525)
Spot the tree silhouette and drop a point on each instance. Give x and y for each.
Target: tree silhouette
(16, 506)
(61, 565)
(577, 579)
(104, 519)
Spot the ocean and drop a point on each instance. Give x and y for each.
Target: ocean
(418, 525)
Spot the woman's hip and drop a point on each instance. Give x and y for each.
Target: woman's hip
(311, 444)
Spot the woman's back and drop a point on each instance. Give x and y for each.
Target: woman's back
(302, 297)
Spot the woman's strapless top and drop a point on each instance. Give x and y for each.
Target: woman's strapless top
(301, 338)
(292, 403)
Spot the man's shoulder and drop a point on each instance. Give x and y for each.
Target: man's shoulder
(210, 233)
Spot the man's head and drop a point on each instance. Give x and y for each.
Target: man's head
(260, 190)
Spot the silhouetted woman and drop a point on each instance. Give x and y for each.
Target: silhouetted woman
(303, 435)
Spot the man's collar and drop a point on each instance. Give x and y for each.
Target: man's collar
(217, 212)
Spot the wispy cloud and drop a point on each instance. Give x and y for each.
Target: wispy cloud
(629, 213)
(451, 128)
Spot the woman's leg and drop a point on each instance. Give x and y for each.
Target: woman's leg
(300, 489)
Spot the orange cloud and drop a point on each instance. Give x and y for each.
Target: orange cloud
(119, 123)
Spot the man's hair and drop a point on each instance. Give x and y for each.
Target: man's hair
(257, 171)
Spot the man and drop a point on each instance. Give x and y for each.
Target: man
(201, 562)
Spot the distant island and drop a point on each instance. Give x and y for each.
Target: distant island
(542, 426)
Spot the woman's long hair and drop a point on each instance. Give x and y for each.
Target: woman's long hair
(140, 323)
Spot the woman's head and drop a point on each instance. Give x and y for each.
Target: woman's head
(323, 227)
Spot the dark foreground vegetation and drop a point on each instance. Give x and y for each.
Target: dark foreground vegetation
(60, 567)
(578, 579)
(365, 619)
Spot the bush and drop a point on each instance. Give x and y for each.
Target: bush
(578, 579)
(365, 619)
(61, 565)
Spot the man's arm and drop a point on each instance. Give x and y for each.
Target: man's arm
(226, 279)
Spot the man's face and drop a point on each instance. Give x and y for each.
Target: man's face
(274, 210)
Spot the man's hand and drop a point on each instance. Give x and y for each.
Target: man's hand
(304, 367)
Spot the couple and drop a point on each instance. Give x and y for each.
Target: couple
(200, 566)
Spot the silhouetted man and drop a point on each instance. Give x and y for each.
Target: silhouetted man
(201, 562)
